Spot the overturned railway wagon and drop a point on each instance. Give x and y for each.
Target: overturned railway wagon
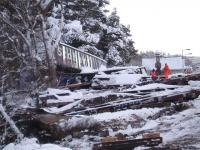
(70, 62)
(72, 58)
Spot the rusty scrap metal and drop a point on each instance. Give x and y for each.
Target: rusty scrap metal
(137, 103)
(181, 80)
(128, 144)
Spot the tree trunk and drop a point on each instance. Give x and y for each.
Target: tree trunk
(52, 75)
(11, 123)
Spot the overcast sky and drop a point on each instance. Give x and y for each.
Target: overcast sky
(164, 25)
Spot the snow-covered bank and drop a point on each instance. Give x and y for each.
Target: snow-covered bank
(172, 127)
(32, 144)
(181, 124)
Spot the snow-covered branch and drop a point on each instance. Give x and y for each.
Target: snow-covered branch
(11, 123)
(15, 29)
(17, 52)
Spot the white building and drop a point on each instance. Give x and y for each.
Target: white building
(176, 64)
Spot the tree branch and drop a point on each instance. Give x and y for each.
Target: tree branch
(15, 29)
(17, 52)
(11, 123)
(19, 14)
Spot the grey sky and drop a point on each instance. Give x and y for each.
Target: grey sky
(164, 25)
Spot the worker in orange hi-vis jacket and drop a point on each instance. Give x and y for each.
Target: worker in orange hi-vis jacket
(166, 71)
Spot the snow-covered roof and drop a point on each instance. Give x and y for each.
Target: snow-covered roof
(174, 63)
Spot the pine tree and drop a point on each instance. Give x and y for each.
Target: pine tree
(88, 28)
(116, 42)
(85, 21)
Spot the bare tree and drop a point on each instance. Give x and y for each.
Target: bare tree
(51, 44)
(23, 21)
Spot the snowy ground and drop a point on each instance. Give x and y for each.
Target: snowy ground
(32, 144)
(173, 128)
(179, 128)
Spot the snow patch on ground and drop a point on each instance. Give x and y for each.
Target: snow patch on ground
(32, 144)
(181, 89)
(61, 109)
(181, 124)
(119, 79)
(194, 83)
(81, 143)
(62, 95)
(130, 131)
(78, 122)
(153, 86)
(143, 113)
(171, 127)
(124, 79)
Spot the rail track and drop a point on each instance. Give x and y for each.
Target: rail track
(145, 101)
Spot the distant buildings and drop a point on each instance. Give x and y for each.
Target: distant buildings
(176, 64)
